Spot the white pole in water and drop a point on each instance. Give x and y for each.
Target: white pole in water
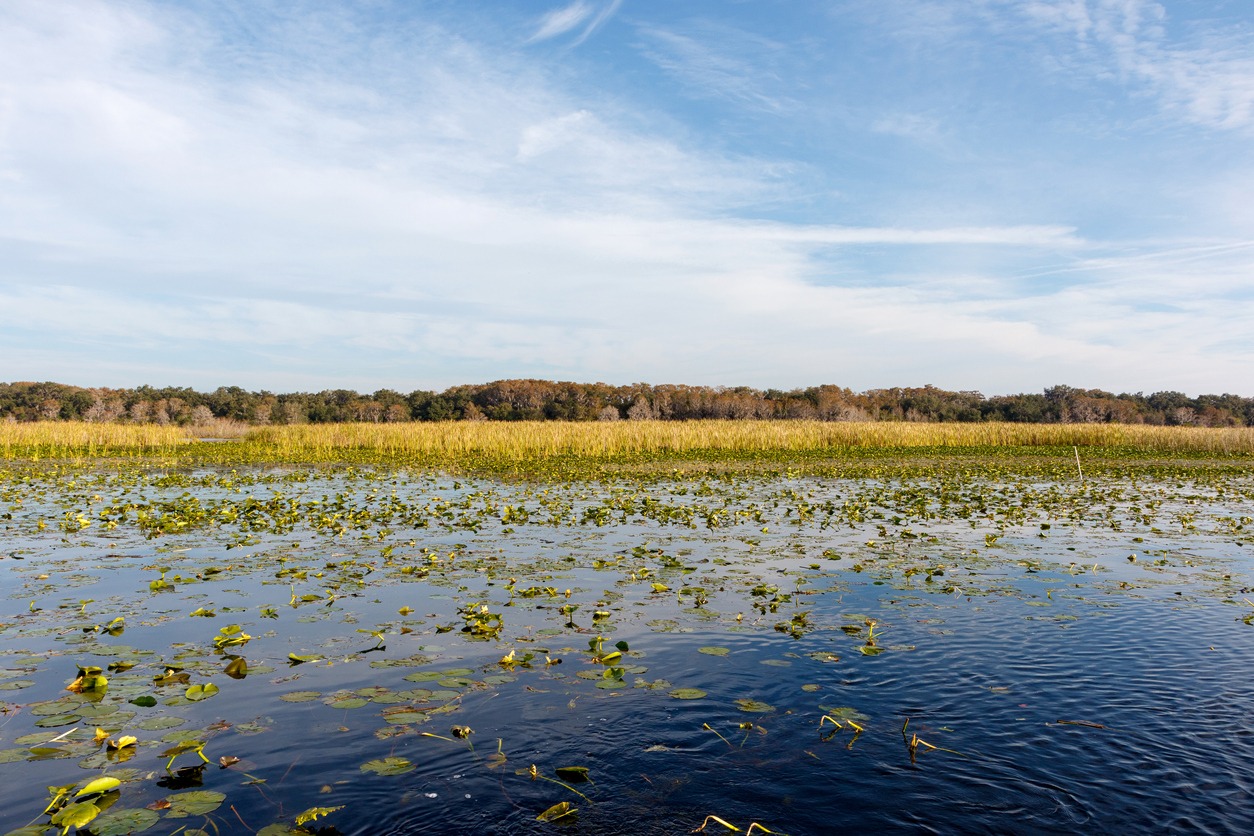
(1077, 461)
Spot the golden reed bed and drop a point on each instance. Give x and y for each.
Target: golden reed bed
(530, 439)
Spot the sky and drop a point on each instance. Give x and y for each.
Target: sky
(991, 195)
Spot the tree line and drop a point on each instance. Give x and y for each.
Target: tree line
(544, 400)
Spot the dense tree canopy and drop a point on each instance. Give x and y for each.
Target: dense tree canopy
(544, 400)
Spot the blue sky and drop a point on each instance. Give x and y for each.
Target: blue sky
(999, 195)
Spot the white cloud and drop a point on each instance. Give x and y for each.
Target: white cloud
(452, 214)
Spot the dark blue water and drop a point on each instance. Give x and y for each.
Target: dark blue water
(1065, 687)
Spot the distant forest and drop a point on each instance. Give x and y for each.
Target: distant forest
(543, 400)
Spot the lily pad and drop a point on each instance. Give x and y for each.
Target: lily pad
(845, 712)
(76, 815)
(197, 693)
(561, 810)
(388, 766)
(754, 706)
(572, 774)
(713, 650)
(301, 696)
(349, 702)
(124, 822)
(193, 803)
(688, 693)
(405, 715)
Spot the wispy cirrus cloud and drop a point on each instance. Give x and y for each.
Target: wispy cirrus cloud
(715, 61)
(569, 18)
(1204, 72)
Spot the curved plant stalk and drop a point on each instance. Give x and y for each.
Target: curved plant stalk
(914, 742)
(752, 825)
(534, 772)
(708, 727)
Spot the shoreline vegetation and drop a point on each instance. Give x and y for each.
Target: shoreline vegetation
(538, 446)
(544, 400)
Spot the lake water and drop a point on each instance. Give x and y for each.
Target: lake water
(944, 654)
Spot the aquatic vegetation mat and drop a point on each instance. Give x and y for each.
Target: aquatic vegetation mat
(356, 649)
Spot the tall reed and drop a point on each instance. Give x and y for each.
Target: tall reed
(467, 441)
(527, 440)
(58, 439)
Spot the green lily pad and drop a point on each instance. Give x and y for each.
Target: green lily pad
(95, 712)
(403, 716)
(457, 682)
(713, 650)
(349, 702)
(124, 822)
(373, 691)
(301, 696)
(62, 706)
(572, 774)
(99, 786)
(388, 766)
(688, 693)
(754, 706)
(193, 803)
(159, 723)
(845, 712)
(562, 810)
(36, 738)
(196, 693)
(76, 815)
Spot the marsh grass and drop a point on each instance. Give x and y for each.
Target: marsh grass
(538, 439)
(469, 443)
(73, 439)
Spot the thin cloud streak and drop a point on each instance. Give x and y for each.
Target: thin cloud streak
(560, 21)
(568, 18)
